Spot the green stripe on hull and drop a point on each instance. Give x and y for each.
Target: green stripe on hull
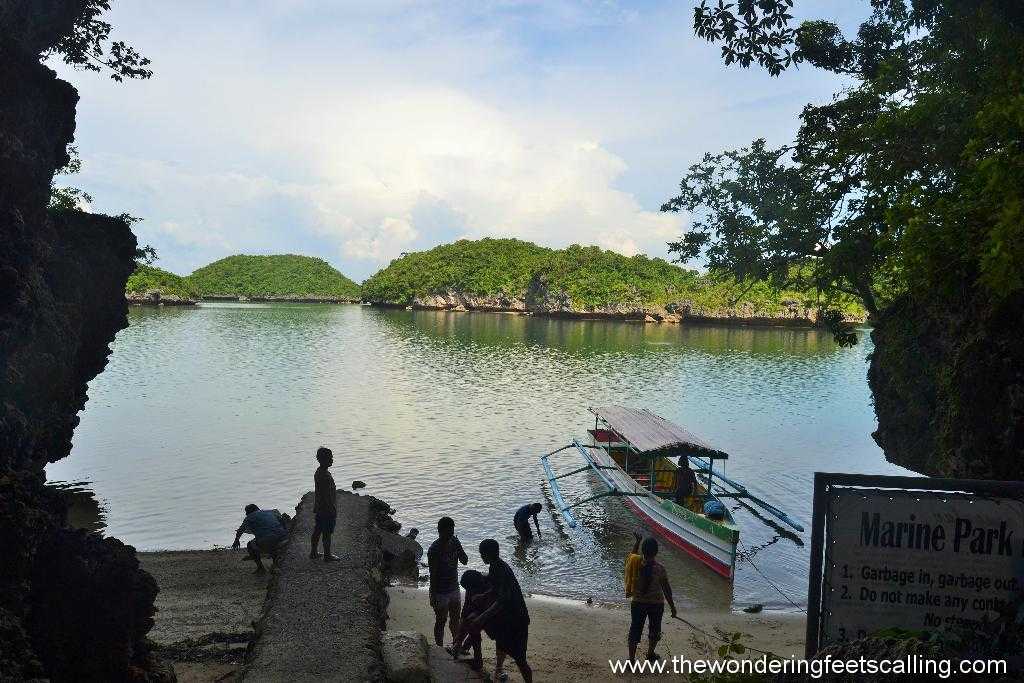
(721, 531)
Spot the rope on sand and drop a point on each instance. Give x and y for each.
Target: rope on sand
(715, 636)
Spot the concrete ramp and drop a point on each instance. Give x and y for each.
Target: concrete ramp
(322, 621)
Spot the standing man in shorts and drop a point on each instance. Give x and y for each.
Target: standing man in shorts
(325, 505)
(443, 559)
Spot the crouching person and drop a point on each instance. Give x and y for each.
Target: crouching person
(270, 529)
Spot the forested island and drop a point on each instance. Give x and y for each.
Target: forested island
(501, 275)
(285, 277)
(274, 278)
(513, 275)
(152, 285)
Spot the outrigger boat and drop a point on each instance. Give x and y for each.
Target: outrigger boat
(632, 452)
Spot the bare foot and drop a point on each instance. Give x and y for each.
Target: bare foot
(331, 558)
(313, 554)
(260, 570)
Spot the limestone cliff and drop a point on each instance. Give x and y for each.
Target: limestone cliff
(71, 605)
(541, 299)
(948, 386)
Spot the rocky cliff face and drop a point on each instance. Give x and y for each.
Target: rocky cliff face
(155, 297)
(453, 300)
(948, 386)
(71, 606)
(540, 299)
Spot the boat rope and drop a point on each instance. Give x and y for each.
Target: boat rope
(746, 557)
(715, 636)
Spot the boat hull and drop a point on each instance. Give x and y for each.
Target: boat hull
(711, 543)
(722, 563)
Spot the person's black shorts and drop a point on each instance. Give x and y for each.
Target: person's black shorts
(639, 612)
(325, 522)
(269, 544)
(523, 528)
(511, 639)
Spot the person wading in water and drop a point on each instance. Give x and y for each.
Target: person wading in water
(647, 584)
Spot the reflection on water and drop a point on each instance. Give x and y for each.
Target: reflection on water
(204, 410)
(84, 511)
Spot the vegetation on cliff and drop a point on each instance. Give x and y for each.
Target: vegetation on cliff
(282, 276)
(148, 278)
(482, 267)
(73, 606)
(904, 190)
(590, 277)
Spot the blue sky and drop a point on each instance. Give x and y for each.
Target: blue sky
(358, 130)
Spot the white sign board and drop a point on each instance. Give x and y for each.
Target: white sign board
(917, 560)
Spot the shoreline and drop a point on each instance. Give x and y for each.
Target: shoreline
(209, 601)
(646, 318)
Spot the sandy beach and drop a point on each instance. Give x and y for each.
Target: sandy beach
(572, 641)
(204, 593)
(207, 603)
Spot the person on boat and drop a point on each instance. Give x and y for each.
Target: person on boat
(647, 584)
(478, 599)
(521, 520)
(506, 620)
(443, 558)
(686, 481)
(325, 506)
(270, 530)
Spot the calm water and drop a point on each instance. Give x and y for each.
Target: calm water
(201, 411)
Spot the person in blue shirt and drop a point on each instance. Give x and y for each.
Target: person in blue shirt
(270, 530)
(521, 520)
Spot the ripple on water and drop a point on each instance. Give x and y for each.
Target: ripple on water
(203, 410)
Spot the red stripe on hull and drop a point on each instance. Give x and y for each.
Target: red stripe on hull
(713, 563)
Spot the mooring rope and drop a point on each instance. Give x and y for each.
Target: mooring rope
(748, 560)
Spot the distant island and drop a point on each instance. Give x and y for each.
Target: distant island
(508, 275)
(274, 278)
(583, 282)
(152, 285)
(285, 277)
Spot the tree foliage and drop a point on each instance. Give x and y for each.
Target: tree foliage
(88, 46)
(481, 267)
(278, 276)
(147, 278)
(69, 198)
(910, 179)
(591, 277)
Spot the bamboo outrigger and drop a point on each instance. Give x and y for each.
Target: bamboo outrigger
(631, 452)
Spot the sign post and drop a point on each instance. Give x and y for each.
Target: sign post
(914, 553)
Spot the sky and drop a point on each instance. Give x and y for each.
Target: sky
(358, 130)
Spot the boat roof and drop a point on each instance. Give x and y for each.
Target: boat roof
(652, 434)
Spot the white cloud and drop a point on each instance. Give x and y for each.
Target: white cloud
(359, 130)
(192, 235)
(370, 160)
(388, 241)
